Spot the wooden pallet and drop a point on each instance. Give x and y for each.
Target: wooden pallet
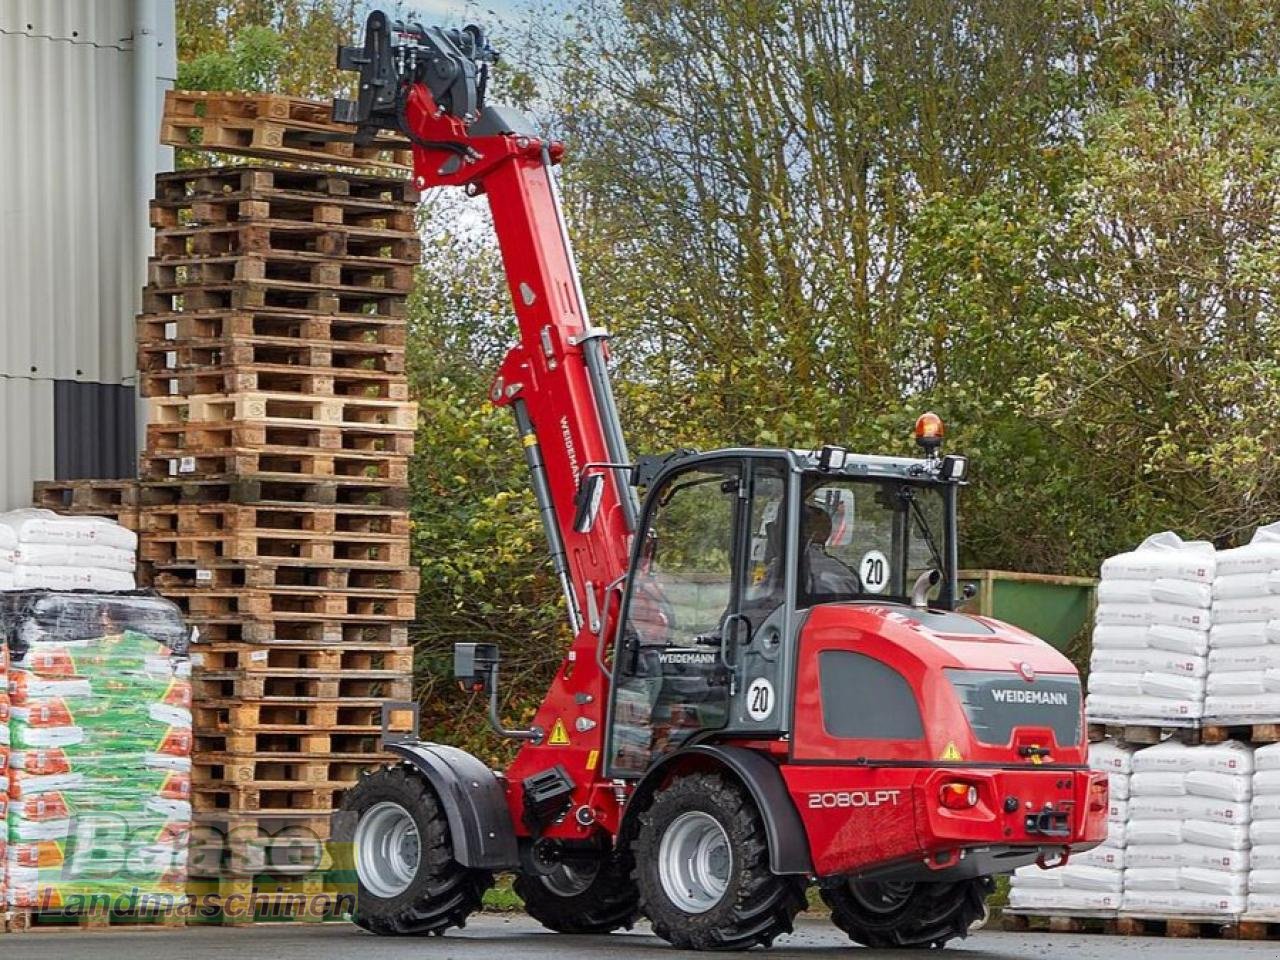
(295, 604)
(256, 237)
(285, 409)
(292, 661)
(1096, 921)
(358, 550)
(85, 496)
(280, 489)
(194, 355)
(308, 631)
(1139, 733)
(281, 574)
(283, 327)
(273, 127)
(363, 742)
(1215, 928)
(296, 465)
(177, 439)
(271, 796)
(284, 271)
(219, 182)
(1248, 732)
(304, 521)
(269, 206)
(276, 378)
(216, 770)
(20, 920)
(255, 295)
(266, 688)
(111, 499)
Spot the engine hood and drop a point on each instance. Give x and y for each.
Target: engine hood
(946, 638)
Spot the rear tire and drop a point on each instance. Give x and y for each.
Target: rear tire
(409, 882)
(702, 867)
(597, 898)
(881, 914)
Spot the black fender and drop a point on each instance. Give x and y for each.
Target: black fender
(784, 830)
(474, 802)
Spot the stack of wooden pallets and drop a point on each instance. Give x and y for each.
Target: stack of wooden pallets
(274, 487)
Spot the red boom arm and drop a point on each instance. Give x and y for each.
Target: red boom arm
(564, 410)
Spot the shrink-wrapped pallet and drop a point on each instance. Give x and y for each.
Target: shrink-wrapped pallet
(1151, 633)
(100, 750)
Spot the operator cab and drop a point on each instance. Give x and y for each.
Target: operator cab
(733, 550)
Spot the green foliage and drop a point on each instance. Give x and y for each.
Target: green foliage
(252, 62)
(284, 46)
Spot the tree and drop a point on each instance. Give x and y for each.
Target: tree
(284, 46)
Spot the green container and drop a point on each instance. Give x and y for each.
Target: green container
(1056, 609)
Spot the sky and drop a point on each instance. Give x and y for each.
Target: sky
(451, 12)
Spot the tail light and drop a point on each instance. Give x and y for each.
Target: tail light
(959, 796)
(1099, 795)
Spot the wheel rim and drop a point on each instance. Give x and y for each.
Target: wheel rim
(388, 850)
(567, 880)
(881, 897)
(694, 862)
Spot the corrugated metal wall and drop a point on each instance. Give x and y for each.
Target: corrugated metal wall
(81, 92)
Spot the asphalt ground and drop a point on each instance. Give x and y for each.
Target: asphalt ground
(516, 937)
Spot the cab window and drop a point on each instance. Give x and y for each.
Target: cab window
(864, 539)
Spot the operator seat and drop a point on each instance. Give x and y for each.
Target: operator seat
(822, 576)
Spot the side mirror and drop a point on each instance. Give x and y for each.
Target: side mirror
(586, 502)
(474, 665)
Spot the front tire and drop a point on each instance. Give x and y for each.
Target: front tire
(702, 868)
(588, 898)
(409, 882)
(884, 914)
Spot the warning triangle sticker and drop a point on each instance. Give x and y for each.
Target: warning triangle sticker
(559, 735)
(951, 753)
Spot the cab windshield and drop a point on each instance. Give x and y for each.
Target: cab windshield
(865, 539)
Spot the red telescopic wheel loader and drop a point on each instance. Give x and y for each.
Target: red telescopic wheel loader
(768, 685)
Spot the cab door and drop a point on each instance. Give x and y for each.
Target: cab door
(671, 677)
(700, 637)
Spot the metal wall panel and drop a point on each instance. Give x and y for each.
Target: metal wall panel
(81, 94)
(26, 428)
(95, 437)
